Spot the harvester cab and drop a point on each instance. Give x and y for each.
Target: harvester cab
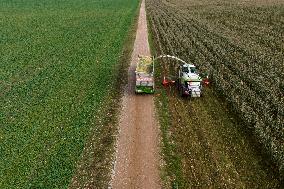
(189, 82)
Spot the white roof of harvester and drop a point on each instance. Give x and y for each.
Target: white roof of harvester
(191, 73)
(188, 65)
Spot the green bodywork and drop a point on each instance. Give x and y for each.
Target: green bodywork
(144, 89)
(184, 79)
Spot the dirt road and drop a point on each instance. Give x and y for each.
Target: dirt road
(137, 160)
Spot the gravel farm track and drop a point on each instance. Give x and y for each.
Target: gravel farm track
(137, 159)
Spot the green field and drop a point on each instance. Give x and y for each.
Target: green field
(58, 63)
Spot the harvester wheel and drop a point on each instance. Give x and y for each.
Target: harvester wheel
(177, 84)
(180, 91)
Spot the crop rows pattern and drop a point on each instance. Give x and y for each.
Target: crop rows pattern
(58, 67)
(240, 45)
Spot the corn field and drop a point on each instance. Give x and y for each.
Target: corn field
(240, 45)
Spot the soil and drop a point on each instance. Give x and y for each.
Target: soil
(137, 158)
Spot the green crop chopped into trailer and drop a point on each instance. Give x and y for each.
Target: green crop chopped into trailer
(145, 75)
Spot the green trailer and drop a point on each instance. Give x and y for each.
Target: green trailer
(145, 75)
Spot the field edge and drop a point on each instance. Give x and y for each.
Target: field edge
(96, 163)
